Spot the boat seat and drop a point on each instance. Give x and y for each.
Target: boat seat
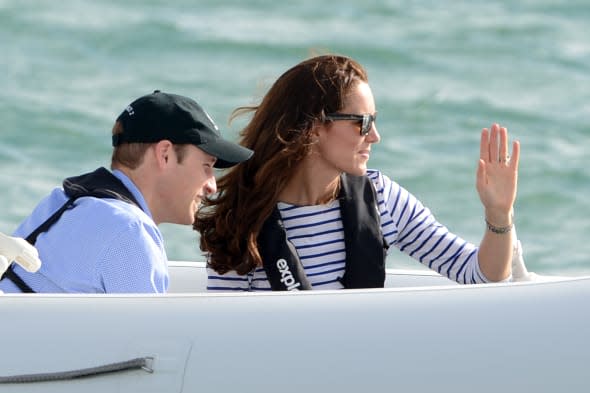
(191, 277)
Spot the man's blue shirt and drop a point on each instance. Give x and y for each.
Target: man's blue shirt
(99, 246)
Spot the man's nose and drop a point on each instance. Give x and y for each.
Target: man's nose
(210, 186)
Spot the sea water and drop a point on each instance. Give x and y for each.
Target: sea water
(440, 71)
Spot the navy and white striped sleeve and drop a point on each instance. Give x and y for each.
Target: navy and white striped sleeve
(413, 229)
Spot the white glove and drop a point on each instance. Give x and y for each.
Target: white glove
(3, 265)
(519, 270)
(19, 250)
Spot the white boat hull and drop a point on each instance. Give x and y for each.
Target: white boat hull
(521, 337)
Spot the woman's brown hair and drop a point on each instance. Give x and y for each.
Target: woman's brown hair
(280, 135)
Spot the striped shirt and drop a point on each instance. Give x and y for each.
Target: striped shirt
(317, 234)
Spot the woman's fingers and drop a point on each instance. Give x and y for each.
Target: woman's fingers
(493, 146)
(484, 150)
(513, 162)
(503, 156)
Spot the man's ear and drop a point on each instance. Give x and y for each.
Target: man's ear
(164, 153)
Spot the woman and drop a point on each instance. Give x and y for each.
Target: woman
(305, 212)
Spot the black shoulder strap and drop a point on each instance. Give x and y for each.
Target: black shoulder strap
(32, 238)
(16, 280)
(98, 184)
(365, 245)
(280, 260)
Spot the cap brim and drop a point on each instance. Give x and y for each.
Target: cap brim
(227, 153)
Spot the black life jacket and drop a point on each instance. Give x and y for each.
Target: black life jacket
(98, 184)
(365, 245)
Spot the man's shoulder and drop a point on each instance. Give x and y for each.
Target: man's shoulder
(106, 221)
(110, 209)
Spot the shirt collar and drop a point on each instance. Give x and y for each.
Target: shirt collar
(134, 190)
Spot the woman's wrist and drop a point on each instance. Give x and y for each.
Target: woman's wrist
(500, 230)
(500, 224)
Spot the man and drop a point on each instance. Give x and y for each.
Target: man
(99, 233)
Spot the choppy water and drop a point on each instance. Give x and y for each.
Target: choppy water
(440, 72)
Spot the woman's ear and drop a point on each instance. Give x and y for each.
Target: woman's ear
(316, 129)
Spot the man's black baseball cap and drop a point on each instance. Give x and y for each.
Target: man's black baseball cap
(179, 119)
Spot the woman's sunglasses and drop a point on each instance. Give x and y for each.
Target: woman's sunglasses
(366, 120)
